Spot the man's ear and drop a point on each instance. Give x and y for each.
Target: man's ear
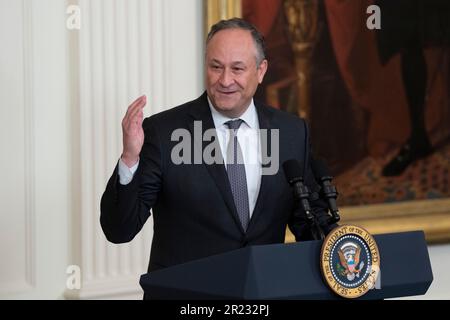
(262, 69)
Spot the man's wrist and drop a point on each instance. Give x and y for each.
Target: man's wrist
(130, 161)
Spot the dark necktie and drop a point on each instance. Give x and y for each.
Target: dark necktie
(236, 173)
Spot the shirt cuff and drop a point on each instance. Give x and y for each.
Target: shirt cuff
(125, 173)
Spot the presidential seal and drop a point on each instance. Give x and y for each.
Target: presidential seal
(350, 261)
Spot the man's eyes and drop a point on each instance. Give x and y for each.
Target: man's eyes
(234, 69)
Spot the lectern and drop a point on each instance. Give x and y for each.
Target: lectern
(290, 271)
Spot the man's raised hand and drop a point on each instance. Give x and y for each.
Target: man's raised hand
(133, 134)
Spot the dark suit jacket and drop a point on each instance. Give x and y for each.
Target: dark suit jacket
(193, 209)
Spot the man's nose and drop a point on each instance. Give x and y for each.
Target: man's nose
(226, 78)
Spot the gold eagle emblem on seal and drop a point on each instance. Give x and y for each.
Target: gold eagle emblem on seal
(350, 261)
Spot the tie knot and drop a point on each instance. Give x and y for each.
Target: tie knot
(234, 124)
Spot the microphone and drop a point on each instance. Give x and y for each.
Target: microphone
(322, 174)
(294, 176)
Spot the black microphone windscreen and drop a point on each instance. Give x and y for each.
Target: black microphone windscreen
(320, 168)
(292, 169)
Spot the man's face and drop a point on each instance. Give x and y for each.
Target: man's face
(232, 75)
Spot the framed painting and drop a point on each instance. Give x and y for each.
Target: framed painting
(377, 101)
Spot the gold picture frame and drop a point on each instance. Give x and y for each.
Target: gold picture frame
(431, 216)
(216, 10)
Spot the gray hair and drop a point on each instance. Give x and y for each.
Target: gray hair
(237, 23)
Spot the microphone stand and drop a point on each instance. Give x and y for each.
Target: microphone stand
(302, 193)
(331, 194)
(321, 173)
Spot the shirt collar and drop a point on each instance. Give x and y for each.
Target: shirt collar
(250, 116)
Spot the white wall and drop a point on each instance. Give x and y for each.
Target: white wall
(62, 96)
(440, 263)
(35, 191)
(125, 48)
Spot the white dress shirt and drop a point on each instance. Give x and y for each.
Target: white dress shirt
(249, 141)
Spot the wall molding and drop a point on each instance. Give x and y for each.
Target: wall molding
(124, 49)
(29, 143)
(114, 68)
(25, 282)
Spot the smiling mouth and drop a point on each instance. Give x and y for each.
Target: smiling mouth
(227, 92)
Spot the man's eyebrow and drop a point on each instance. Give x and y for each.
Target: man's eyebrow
(234, 63)
(216, 61)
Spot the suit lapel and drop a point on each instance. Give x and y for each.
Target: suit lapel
(200, 112)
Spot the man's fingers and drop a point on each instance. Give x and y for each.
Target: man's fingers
(138, 103)
(135, 119)
(133, 122)
(132, 106)
(134, 109)
(138, 109)
(139, 118)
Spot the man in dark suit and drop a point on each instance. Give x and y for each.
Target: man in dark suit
(202, 208)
